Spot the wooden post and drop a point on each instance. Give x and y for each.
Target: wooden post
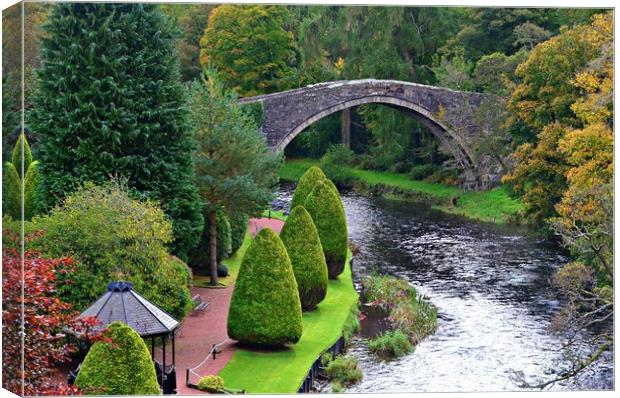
(346, 127)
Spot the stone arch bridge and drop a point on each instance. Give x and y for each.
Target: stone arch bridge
(450, 115)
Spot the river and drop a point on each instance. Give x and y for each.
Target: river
(490, 285)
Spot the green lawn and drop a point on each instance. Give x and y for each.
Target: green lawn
(284, 371)
(494, 205)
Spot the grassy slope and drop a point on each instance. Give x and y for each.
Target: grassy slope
(284, 371)
(493, 205)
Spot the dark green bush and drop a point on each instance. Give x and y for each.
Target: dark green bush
(200, 257)
(265, 309)
(305, 185)
(344, 370)
(303, 245)
(211, 383)
(422, 171)
(238, 229)
(112, 237)
(338, 154)
(391, 344)
(122, 367)
(327, 212)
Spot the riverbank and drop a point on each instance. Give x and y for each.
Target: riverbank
(283, 371)
(494, 205)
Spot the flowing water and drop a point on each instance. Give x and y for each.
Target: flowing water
(490, 285)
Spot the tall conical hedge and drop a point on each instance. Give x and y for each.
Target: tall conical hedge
(305, 185)
(303, 245)
(122, 367)
(265, 309)
(109, 102)
(22, 148)
(31, 182)
(327, 212)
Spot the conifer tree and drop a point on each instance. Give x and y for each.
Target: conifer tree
(109, 102)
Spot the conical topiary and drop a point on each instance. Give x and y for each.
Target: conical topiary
(265, 309)
(31, 180)
(305, 185)
(22, 143)
(303, 245)
(327, 212)
(120, 367)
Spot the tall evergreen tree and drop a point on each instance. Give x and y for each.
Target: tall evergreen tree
(235, 169)
(110, 102)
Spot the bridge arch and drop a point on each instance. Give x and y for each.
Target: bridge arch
(286, 114)
(423, 115)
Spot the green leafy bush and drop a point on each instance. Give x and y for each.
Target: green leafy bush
(265, 309)
(303, 245)
(112, 237)
(422, 171)
(344, 370)
(327, 212)
(238, 229)
(306, 185)
(391, 344)
(334, 164)
(211, 383)
(120, 367)
(201, 255)
(386, 290)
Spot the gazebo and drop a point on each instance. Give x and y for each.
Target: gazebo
(122, 303)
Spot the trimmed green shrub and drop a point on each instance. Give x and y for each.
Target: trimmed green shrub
(265, 309)
(327, 212)
(334, 164)
(306, 185)
(120, 367)
(11, 192)
(211, 383)
(391, 344)
(31, 182)
(17, 155)
(112, 237)
(344, 370)
(303, 245)
(238, 229)
(200, 257)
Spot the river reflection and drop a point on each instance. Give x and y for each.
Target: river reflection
(490, 285)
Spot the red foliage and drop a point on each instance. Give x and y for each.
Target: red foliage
(44, 317)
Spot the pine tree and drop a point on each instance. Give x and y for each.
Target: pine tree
(109, 102)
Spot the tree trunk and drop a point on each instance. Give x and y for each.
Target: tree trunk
(213, 246)
(346, 127)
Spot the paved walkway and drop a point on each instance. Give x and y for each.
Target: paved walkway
(202, 329)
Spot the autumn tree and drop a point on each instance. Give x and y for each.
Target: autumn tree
(110, 102)
(250, 47)
(235, 169)
(545, 107)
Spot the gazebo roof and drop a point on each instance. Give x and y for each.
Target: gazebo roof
(122, 303)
